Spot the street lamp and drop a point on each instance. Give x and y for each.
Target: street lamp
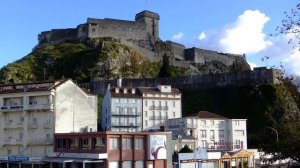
(277, 140)
(194, 142)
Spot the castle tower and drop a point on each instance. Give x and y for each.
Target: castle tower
(152, 22)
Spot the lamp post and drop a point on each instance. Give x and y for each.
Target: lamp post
(194, 142)
(277, 140)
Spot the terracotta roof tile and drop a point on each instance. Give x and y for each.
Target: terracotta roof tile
(121, 93)
(156, 90)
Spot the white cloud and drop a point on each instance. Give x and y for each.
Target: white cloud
(178, 36)
(245, 35)
(252, 65)
(202, 36)
(293, 62)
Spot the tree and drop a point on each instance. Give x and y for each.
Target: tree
(291, 26)
(165, 70)
(186, 149)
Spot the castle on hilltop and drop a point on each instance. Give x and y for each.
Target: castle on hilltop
(143, 36)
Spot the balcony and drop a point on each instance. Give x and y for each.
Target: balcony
(12, 141)
(115, 113)
(158, 107)
(174, 126)
(47, 126)
(41, 141)
(121, 124)
(12, 108)
(13, 125)
(29, 107)
(158, 117)
(39, 106)
(33, 126)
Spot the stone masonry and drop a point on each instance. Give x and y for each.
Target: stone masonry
(141, 35)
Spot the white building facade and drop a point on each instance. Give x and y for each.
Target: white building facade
(211, 131)
(160, 104)
(139, 109)
(31, 113)
(122, 109)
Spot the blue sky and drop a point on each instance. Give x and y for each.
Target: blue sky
(235, 26)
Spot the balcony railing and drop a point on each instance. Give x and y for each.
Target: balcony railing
(174, 126)
(121, 124)
(47, 126)
(158, 117)
(12, 108)
(13, 125)
(27, 107)
(115, 113)
(43, 141)
(39, 106)
(222, 146)
(158, 107)
(13, 141)
(33, 126)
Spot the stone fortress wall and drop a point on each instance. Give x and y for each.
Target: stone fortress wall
(243, 78)
(141, 35)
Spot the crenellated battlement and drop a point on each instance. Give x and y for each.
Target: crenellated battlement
(141, 34)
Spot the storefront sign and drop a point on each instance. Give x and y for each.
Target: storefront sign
(78, 155)
(157, 147)
(18, 158)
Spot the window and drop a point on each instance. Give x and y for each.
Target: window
(139, 143)
(34, 122)
(212, 134)
(85, 142)
(114, 164)
(236, 122)
(21, 136)
(127, 163)
(139, 163)
(146, 114)
(21, 119)
(203, 122)
(239, 132)
(221, 133)
(174, 114)
(146, 123)
(146, 103)
(221, 123)
(212, 122)
(174, 103)
(114, 143)
(203, 144)
(203, 133)
(134, 101)
(237, 144)
(127, 143)
(61, 143)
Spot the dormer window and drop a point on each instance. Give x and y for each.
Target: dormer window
(133, 90)
(125, 90)
(117, 90)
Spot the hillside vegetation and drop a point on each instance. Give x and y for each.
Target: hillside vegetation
(81, 61)
(263, 106)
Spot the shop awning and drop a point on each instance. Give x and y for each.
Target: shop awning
(58, 160)
(67, 160)
(87, 160)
